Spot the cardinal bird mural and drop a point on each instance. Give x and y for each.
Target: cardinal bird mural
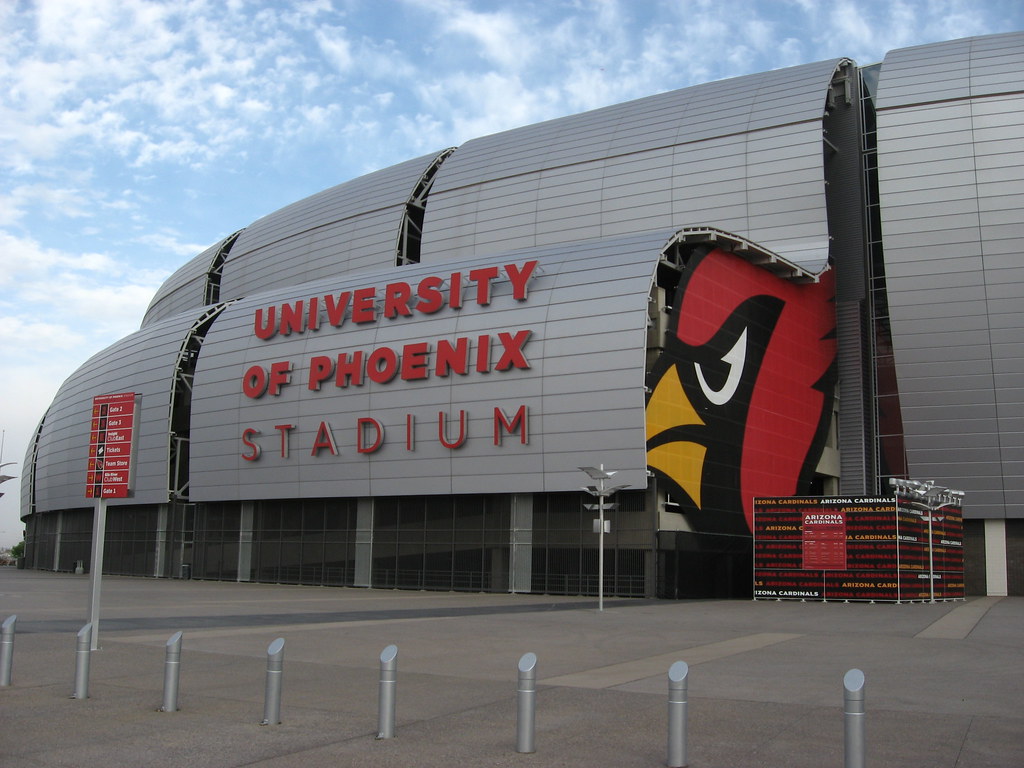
(741, 397)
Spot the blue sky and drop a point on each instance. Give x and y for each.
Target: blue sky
(135, 133)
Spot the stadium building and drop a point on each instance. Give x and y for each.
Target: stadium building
(801, 282)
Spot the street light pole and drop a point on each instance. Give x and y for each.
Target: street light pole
(931, 555)
(600, 475)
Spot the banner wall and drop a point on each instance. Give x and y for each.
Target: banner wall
(840, 548)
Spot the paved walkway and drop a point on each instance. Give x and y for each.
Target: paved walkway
(945, 682)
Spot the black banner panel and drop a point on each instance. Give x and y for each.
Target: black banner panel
(876, 548)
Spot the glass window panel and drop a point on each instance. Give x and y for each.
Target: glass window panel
(339, 514)
(291, 516)
(438, 513)
(313, 516)
(385, 513)
(269, 517)
(411, 513)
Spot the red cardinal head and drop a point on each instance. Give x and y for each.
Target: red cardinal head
(741, 397)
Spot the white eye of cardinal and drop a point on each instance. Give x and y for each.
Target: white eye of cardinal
(735, 358)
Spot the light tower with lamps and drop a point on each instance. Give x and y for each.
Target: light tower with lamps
(600, 475)
(932, 498)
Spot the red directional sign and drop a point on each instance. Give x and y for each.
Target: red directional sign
(111, 437)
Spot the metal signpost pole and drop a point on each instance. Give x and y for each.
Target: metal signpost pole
(600, 548)
(112, 437)
(99, 528)
(931, 555)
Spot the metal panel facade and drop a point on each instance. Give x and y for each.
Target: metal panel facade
(951, 181)
(353, 227)
(518, 349)
(183, 290)
(583, 389)
(142, 363)
(742, 155)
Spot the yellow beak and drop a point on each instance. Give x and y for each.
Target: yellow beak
(681, 460)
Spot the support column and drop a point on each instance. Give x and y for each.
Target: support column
(364, 543)
(521, 561)
(56, 540)
(246, 516)
(160, 555)
(996, 582)
(652, 518)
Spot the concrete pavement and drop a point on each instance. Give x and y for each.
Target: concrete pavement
(945, 682)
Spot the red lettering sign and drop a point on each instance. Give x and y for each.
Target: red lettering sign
(369, 303)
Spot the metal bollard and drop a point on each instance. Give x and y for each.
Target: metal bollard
(853, 719)
(526, 703)
(275, 667)
(172, 668)
(677, 700)
(84, 649)
(7, 649)
(386, 695)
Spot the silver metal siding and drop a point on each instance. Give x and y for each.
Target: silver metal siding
(352, 227)
(951, 178)
(26, 472)
(142, 363)
(185, 289)
(584, 389)
(743, 155)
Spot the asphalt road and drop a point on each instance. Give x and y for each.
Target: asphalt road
(944, 682)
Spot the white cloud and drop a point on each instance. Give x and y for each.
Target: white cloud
(50, 200)
(90, 298)
(499, 35)
(319, 117)
(222, 95)
(478, 105)
(335, 47)
(170, 242)
(384, 61)
(23, 261)
(96, 89)
(39, 335)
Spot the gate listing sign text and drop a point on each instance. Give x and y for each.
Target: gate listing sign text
(111, 439)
